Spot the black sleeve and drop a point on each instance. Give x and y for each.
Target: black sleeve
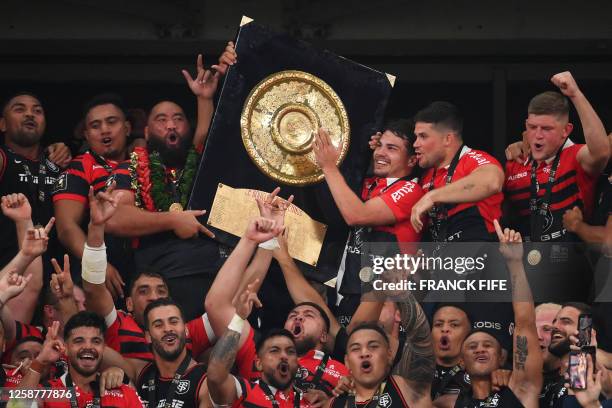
(340, 344)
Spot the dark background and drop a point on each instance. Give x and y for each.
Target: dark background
(489, 58)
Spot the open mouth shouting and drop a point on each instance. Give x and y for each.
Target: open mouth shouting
(444, 344)
(172, 139)
(366, 367)
(107, 141)
(283, 368)
(297, 330)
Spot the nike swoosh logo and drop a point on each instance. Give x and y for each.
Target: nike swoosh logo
(17, 161)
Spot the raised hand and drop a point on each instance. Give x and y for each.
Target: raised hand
(53, 347)
(282, 252)
(566, 84)
(229, 57)
(61, 281)
(273, 207)
(510, 243)
(16, 207)
(326, 154)
(11, 285)
(103, 205)
(205, 83)
(375, 140)
(247, 299)
(262, 229)
(36, 240)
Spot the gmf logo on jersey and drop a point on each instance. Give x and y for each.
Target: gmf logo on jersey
(182, 387)
(61, 184)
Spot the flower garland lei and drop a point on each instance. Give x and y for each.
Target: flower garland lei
(149, 179)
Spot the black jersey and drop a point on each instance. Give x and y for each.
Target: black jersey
(449, 380)
(34, 179)
(500, 399)
(187, 390)
(389, 397)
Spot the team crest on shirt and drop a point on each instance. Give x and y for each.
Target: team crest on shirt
(61, 184)
(183, 387)
(385, 400)
(302, 373)
(51, 166)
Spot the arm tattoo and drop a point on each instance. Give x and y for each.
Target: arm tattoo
(417, 363)
(520, 355)
(224, 352)
(469, 186)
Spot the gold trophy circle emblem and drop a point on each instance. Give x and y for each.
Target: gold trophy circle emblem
(280, 119)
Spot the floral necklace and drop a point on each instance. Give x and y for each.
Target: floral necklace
(148, 176)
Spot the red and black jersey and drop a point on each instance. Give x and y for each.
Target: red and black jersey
(127, 338)
(319, 371)
(389, 397)
(308, 375)
(252, 395)
(88, 169)
(123, 396)
(22, 330)
(12, 377)
(399, 195)
(572, 187)
(187, 390)
(467, 221)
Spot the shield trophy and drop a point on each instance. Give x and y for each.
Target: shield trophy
(271, 104)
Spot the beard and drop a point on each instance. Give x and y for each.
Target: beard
(171, 156)
(303, 346)
(170, 355)
(561, 348)
(26, 138)
(278, 384)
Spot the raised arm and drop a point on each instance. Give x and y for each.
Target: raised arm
(417, 364)
(93, 271)
(526, 380)
(594, 156)
(218, 302)
(17, 208)
(299, 288)
(353, 210)
(63, 289)
(221, 384)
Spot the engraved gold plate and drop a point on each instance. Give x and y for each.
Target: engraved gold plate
(279, 120)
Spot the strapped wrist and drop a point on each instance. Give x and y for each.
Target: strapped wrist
(236, 324)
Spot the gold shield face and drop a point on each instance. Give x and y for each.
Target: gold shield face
(279, 120)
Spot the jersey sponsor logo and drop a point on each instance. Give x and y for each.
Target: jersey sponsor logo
(480, 159)
(487, 325)
(385, 400)
(407, 188)
(517, 176)
(183, 387)
(175, 403)
(302, 373)
(52, 166)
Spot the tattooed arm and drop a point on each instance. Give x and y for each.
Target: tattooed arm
(221, 384)
(526, 380)
(417, 364)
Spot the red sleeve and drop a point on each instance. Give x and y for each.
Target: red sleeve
(401, 197)
(246, 388)
(198, 335)
(73, 184)
(245, 358)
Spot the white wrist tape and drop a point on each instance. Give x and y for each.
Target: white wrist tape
(270, 244)
(236, 324)
(93, 264)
